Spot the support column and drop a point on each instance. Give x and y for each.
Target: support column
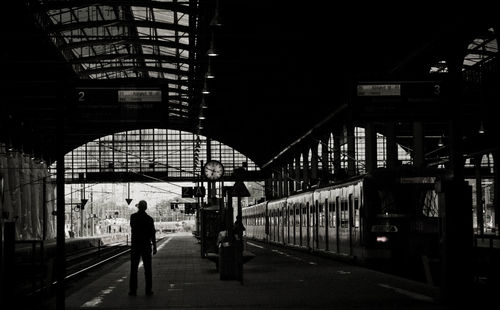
(418, 145)
(370, 147)
(285, 179)
(391, 148)
(268, 184)
(280, 181)
(314, 163)
(325, 164)
(337, 156)
(291, 177)
(298, 175)
(351, 151)
(305, 169)
(496, 191)
(60, 202)
(275, 183)
(456, 215)
(479, 195)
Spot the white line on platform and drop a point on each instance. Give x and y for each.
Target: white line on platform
(408, 293)
(94, 302)
(255, 245)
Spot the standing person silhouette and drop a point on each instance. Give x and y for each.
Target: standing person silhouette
(143, 236)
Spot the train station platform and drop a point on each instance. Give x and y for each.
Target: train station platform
(275, 278)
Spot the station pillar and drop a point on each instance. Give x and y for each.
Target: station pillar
(455, 201)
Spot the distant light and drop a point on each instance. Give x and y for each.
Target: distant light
(481, 128)
(212, 53)
(205, 90)
(382, 239)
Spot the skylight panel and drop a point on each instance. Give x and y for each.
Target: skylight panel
(154, 74)
(164, 16)
(165, 33)
(148, 49)
(170, 76)
(183, 19)
(168, 51)
(140, 13)
(184, 39)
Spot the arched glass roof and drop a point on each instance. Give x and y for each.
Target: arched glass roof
(154, 154)
(123, 39)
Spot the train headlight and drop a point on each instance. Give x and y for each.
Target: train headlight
(382, 239)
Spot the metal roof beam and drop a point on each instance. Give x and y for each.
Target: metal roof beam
(134, 68)
(106, 57)
(171, 6)
(118, 23)
(124, 40)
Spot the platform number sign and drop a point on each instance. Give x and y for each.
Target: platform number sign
(81, 96)
(187, 192)
(199, 191)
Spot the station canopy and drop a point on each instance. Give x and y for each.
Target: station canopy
(157, 45)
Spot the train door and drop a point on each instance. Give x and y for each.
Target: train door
(279, 218)
(274, 225)
(344, 235)
(308, 227)
(311, 223)
(350, 202)
(305, 227)
(296, 223)
(356, 221)
(326, 222)
(337, 223)
(332, 223)
(285, 224)
(301, 224)
(316, 224)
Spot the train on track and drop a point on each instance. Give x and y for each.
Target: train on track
(389, 215)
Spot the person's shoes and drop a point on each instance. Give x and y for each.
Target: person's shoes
(132, 294)
(149, 293)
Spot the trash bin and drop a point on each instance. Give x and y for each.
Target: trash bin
(228, 269)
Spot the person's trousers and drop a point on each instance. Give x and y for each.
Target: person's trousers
(136, 255)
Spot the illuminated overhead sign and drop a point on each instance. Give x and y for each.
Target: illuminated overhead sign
(139, 95)
(379, 90)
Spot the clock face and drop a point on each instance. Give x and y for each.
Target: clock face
(213, 170)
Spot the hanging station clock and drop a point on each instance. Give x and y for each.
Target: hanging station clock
(213, 170)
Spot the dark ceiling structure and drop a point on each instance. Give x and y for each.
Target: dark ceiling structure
(283, 66)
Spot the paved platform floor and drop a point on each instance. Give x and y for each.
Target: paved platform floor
(276, 278)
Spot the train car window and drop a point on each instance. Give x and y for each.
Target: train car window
(297, 216)
(337, 211)
(312, 214)
(331, 214)
(344, 214)
(321, 215)
(326, 214)
(303, 218)
(356, 212)
(351, 210)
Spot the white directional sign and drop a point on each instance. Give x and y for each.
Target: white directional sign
(379, 90)
(139, 95)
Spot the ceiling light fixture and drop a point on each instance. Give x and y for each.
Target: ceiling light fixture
(205, 90)
(212, 51)
(440, 142)
(216, 20)
(210, 74)
(481, 128)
